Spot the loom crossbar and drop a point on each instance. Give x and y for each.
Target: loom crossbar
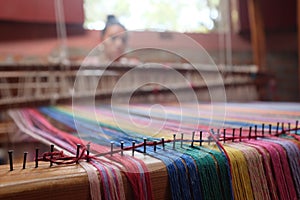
(68, 181)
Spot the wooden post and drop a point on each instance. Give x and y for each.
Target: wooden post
(298, 26)
(257, 34)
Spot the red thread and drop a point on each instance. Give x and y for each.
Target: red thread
(58, 157)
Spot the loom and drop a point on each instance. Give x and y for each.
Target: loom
(177, 139)
(174, 150)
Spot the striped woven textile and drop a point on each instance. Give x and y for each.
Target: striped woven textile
(210, 151)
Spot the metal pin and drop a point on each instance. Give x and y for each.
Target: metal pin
(10, 155)
(201, 138)
(88, 152)
(270, 129)
(296, 127)
(250, 130)
(181, 141)
(145, 145)
(277, 127)
(255, 131)
(224, 135)
(193, 137)
(77, 152)
(155, 142)
(111, 148)
(209, 137)
(163, 143)
(174, 140)
(24, 159)
(122, 148)
(36, 157)
(133, 146)
(263, 130)
(233, 134)
(241, 129)
(51, 150)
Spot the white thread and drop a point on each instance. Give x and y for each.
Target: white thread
(93, 180)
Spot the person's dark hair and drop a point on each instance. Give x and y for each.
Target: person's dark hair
(111, 20)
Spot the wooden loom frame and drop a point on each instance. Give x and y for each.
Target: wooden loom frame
(71, 181)
(38, 84)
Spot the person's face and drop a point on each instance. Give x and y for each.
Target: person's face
(115, 40)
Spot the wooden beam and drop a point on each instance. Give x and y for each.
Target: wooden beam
(69, 181)
(257, 34)
(298, 26)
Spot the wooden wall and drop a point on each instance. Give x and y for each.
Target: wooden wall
(34, 19)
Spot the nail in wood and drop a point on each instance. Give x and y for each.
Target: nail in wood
(174, 140)
(277, 127)
(163, 143)
(241, 130)
(122, 148)
(36, 157)
(145, 145)
(155, 143)
(193, 138)
(111, 148)
(201, 138)
(181, 140)
(250, 130)
(133, 146)
(77, 152)
(10, 156)
(88, 146)
(24, 159)
(51, 157)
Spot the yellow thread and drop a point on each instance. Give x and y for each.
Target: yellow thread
(256, 170)
(240, 176)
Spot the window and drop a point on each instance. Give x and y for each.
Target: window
(200, 16)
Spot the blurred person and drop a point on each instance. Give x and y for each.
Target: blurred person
(114, 40)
